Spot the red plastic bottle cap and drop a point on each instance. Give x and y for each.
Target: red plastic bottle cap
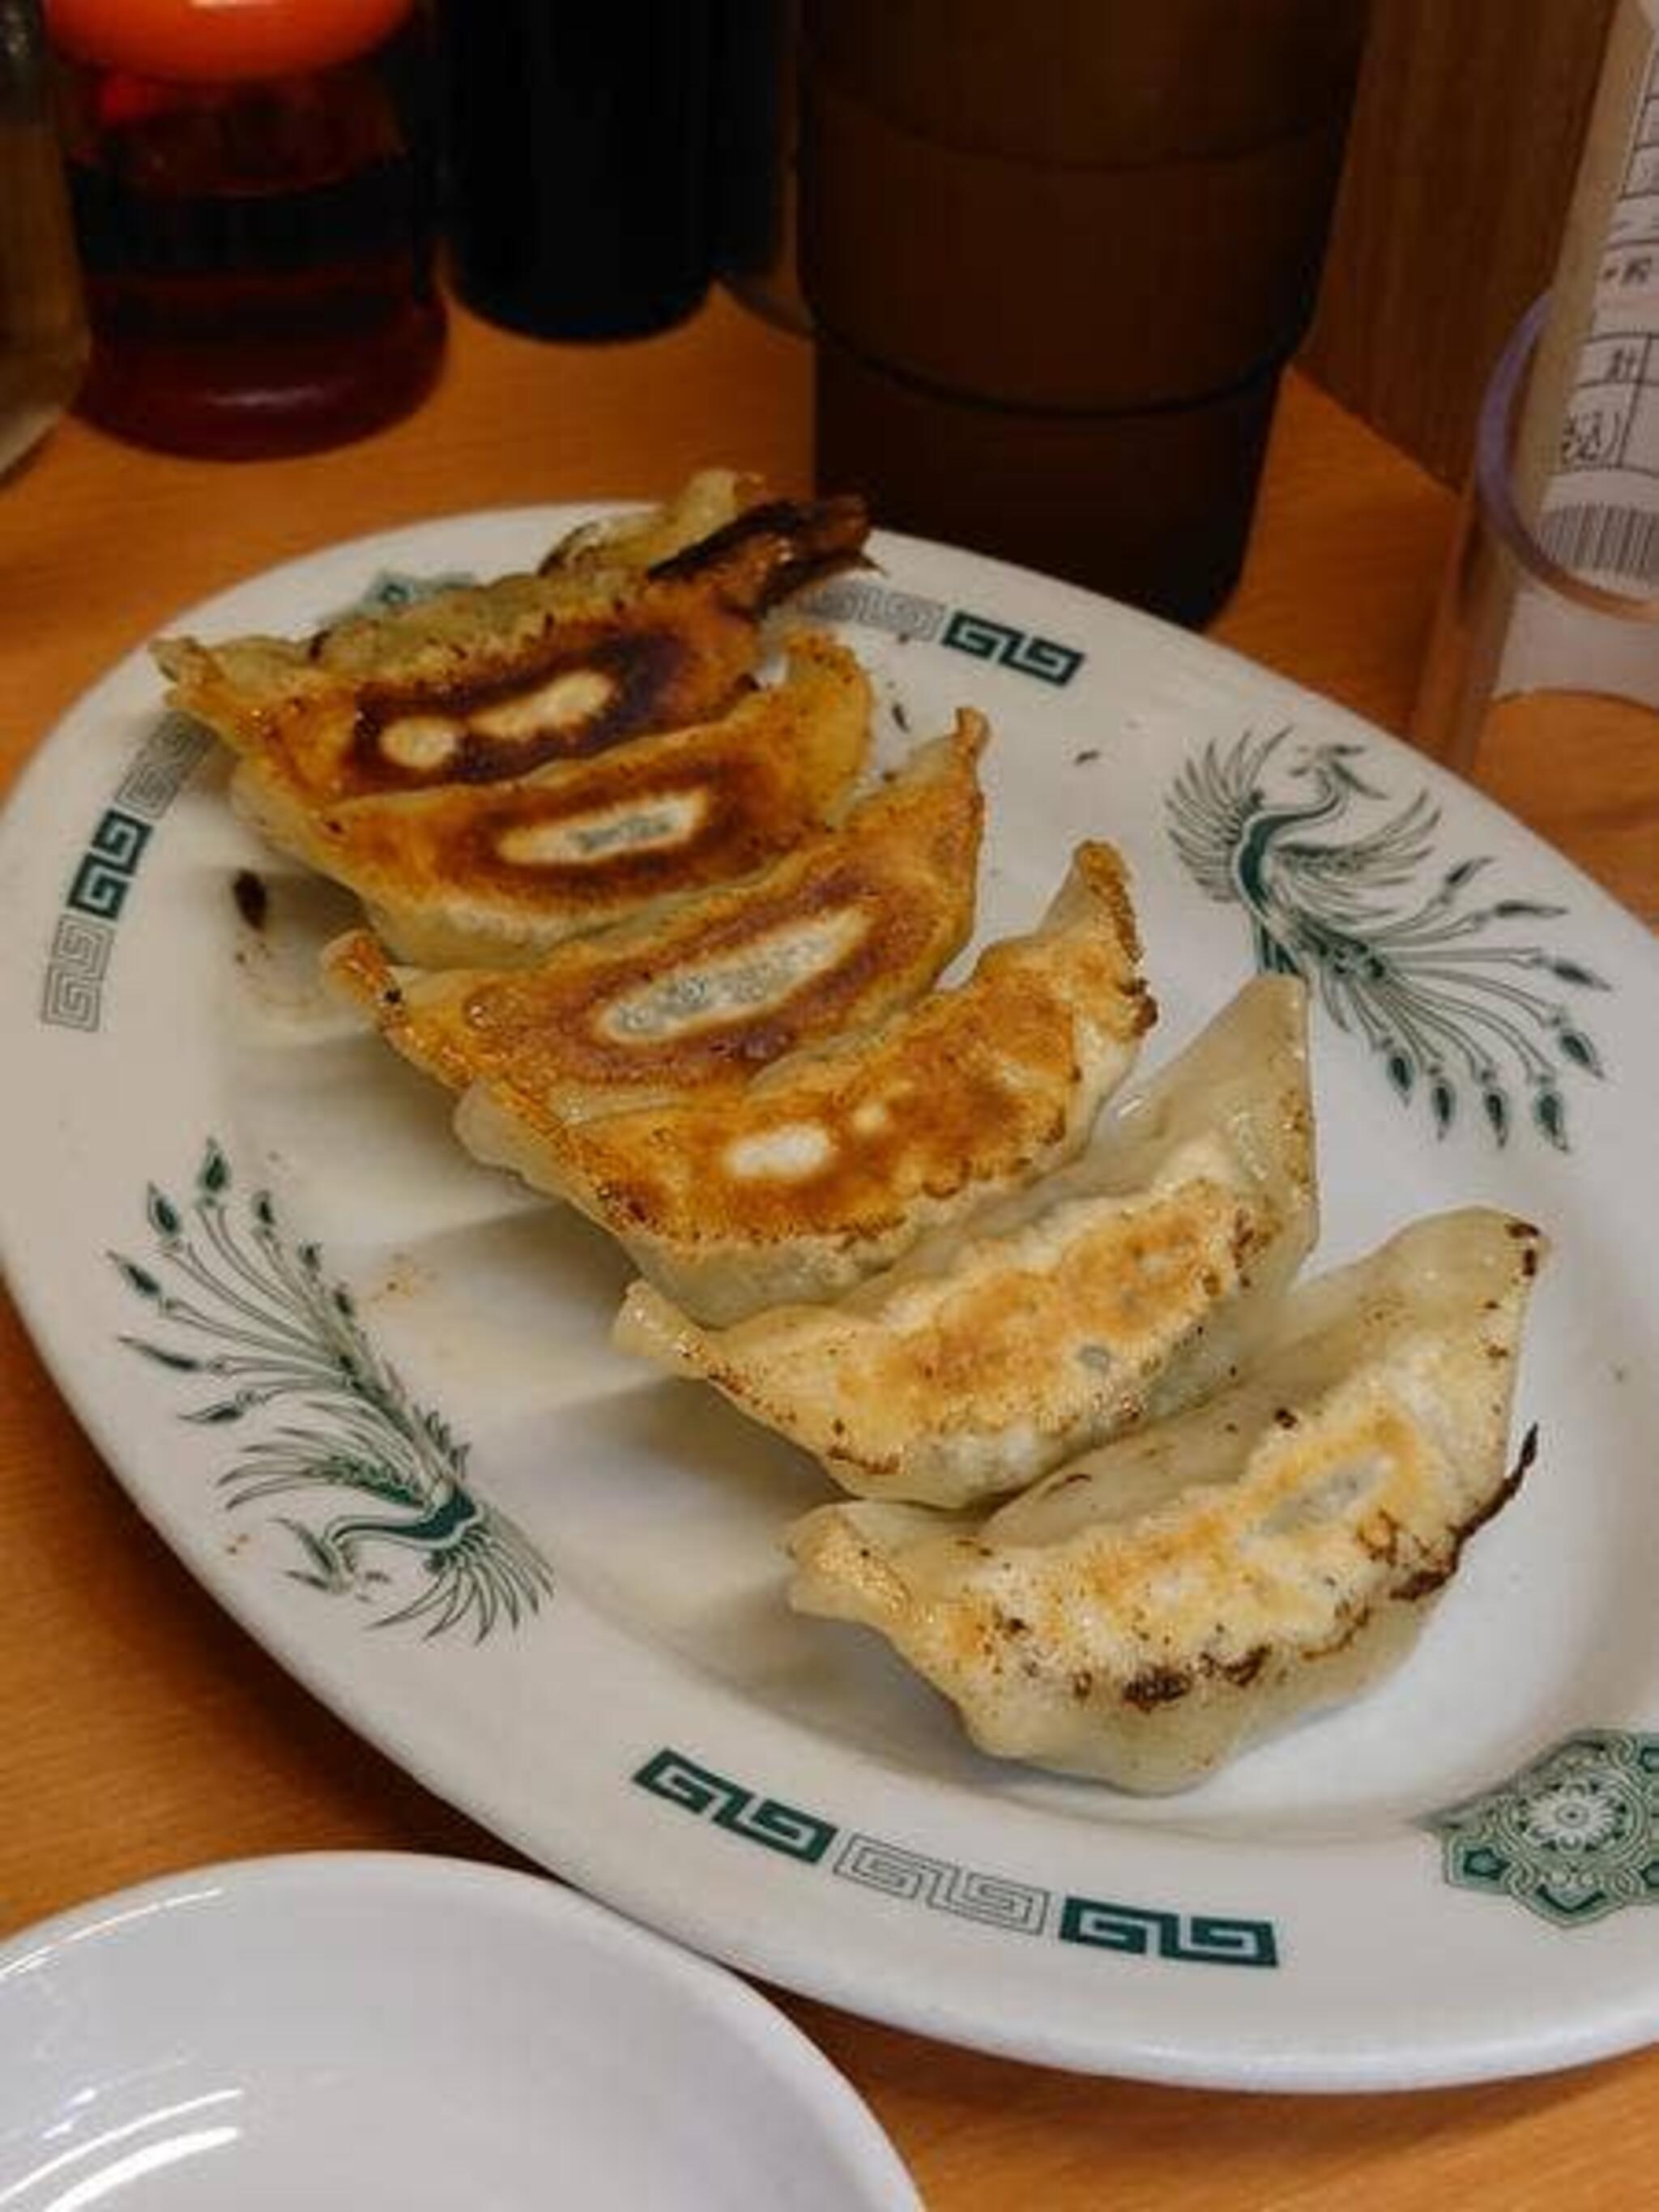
(221, 41)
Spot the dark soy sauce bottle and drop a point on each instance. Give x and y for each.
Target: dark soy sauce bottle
(577, 162)
(253, 190)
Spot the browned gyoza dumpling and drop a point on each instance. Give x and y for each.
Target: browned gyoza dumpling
(832, 1163)
(495, 874)
(1142, 1615)
(1119, 1287)
(855, 923)
(491, 681)
(637, 539)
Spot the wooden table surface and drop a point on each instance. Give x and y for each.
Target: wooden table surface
(141, 1732)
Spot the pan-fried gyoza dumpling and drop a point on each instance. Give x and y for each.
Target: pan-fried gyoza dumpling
(1142, 1615)
(857, 921)
(832, 1163)
(632, 542)
(492, 680)
(1119, 1288)
(494, 873)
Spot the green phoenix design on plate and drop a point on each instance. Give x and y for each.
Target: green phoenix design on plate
(1447, 994)
(237, 1306)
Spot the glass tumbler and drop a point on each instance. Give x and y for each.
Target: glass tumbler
(1544, 655)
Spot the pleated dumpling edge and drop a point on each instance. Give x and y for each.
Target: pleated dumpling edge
(1140, 1616)
(834, 1162)
(1119, 1287)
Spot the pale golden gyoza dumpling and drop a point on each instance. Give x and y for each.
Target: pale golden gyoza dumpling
(494, 873)
(641, 538)
(830, 1164)
(1142, 1615)
(856, 922)
(1122, 1286)
(491, 681)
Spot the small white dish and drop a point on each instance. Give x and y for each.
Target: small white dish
(343, 2029)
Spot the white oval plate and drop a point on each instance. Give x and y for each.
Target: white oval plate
(363, 2028)
(549, 1584)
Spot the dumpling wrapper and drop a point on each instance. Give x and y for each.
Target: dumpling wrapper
(630, 543)
(491, 681)
(1121, 1287)
(495, 874)
(1140, 1616)
(832, 1163)
(855, 923)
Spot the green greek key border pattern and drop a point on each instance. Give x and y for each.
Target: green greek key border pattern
(680, 1781)
(83, 934)
(1024, 651)
(996, 1900)
(993, 1900)
(912, 616)
(1210, 1938)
